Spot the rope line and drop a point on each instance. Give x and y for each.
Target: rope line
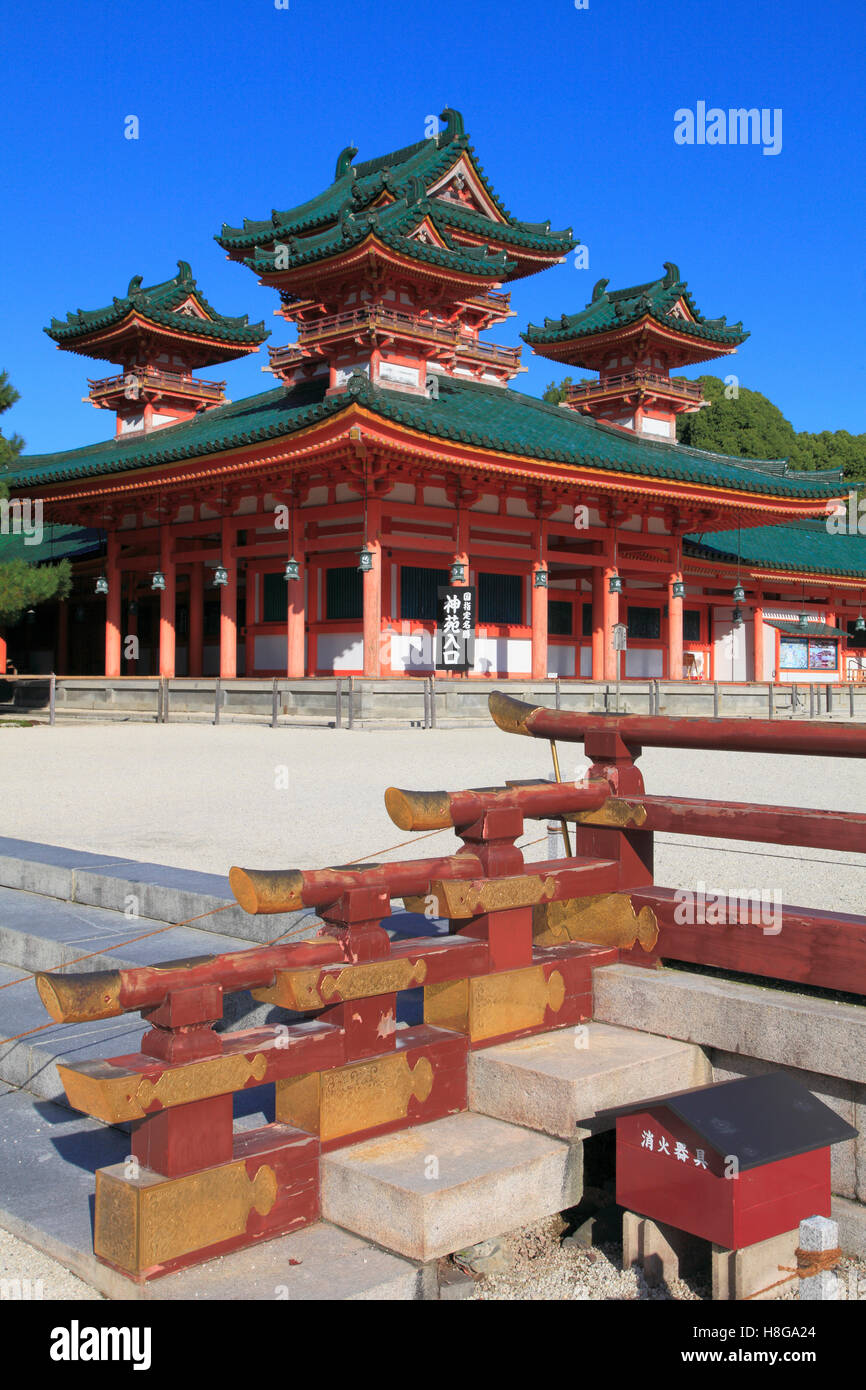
(756, 853)
(809, 1264)
(414, 839)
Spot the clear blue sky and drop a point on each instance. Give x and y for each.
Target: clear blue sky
(243, 107)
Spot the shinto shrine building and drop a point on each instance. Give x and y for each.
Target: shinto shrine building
(306, 531)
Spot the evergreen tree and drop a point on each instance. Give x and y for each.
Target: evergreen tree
(22, 584)
(556, 392)
(750, 426)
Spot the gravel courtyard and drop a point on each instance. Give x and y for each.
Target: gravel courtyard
(199, 797)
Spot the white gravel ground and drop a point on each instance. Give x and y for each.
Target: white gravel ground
(28, 1274)
(542, 1269)
(205, 798)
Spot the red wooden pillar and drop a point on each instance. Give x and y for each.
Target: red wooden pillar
(167, 634)
(195, 657)
(758, 642)
(112, 608)
(62, 658)
(3, 656)
(373, 592)
(598, 623)
(611, 618)
(539, 626)
(295, 621)
(228, 607)
(675, 630)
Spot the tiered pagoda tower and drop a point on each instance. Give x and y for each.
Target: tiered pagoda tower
(634, 339)
(158, 335)
(396, 269)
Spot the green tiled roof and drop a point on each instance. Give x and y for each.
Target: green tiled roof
(406, 175)
(467, 412)
(394, 226)
(805, 546)
(57, 543)
(807, 630)
(612, 309)
(158, 303)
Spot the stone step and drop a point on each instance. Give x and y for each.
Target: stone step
(436, 1188)
(47, 1161)
(161, 894)
(47, 933)
(558, 1082)
(159, 891)
(44, 933)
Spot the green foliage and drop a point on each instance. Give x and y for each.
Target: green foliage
(556, 392)
(749, 426)
(23, 585)
(752, 427)
(9, 448)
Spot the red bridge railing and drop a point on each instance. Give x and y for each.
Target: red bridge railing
(522, 943)
(794, 944)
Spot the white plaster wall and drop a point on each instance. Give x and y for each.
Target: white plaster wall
(501, 654)
(412, 651)
(643, 661)
(560, 661)
(271, 651)
(340, 651)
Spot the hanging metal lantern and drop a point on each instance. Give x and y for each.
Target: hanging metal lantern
(102, 585)
(738, 616)
(220, 576)
(539, 579)
(31, 615)
(678, 589)
(365, 559)
(158, 580)
(803, 622)
(615, 585)
(293, 570)
(860, 625)
(458, 573)
(739, 593)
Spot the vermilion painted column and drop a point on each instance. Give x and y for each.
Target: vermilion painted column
(373, 592)
(597, 623)
(3, 655)
(610, 619)
(228, 607)
(539, 626)
(167, 634)
(295, 620)
(195, 658)
(62, 640)
(112, 608)
(758, 644)
(675, 631)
